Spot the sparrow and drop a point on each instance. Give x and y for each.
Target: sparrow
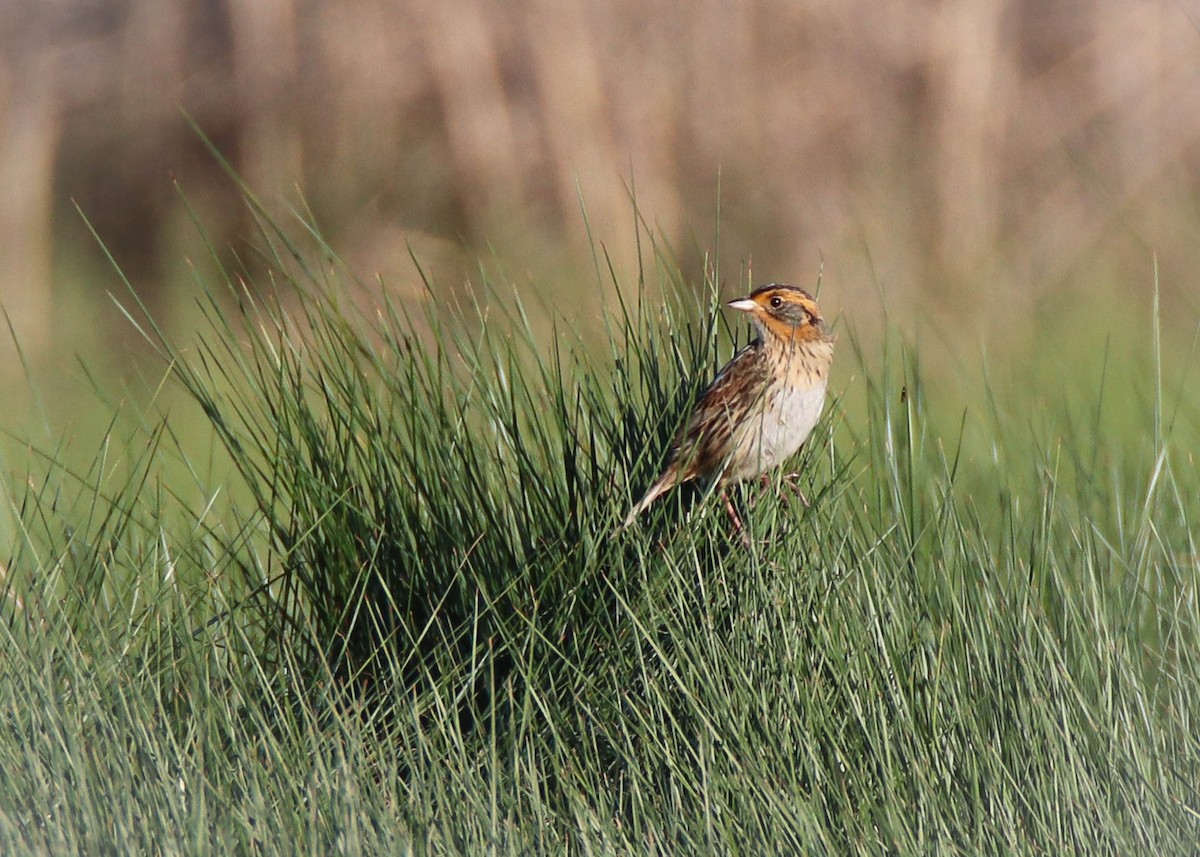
(762, 405)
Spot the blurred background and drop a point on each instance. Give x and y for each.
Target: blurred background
(977, 162)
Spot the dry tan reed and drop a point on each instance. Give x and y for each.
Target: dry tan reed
(971, 148)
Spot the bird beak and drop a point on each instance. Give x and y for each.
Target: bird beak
(743, 305)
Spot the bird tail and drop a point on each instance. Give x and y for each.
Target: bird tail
(665, 483)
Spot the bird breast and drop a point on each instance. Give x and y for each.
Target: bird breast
(776, 429)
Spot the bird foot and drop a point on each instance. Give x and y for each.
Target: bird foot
(791, 481)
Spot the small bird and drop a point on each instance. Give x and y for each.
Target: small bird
(762, 406)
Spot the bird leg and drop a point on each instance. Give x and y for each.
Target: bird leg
(738, 526)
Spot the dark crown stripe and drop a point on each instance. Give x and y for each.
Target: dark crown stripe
(769, 287)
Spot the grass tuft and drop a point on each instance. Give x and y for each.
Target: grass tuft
(423, 630)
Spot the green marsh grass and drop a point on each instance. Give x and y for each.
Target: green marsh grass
(417, 629)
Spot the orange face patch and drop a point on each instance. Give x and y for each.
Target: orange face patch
(781, 328)
(788, 313)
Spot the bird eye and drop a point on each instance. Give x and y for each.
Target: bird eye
(776, 302)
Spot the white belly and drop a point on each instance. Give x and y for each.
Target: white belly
(787, 420)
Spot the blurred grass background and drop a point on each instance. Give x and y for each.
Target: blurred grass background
(979, 162)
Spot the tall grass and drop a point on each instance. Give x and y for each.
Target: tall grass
(424, 632)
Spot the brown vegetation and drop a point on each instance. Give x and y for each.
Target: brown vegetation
(951, 151)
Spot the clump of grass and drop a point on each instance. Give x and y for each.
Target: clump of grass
(427, 628)
(436, 487)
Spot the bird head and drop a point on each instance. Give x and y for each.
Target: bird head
(787, 312)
